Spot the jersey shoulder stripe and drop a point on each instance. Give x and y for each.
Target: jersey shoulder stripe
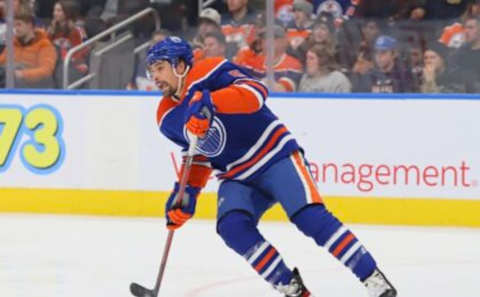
(202, 71)
(257, 85)
(164, 107)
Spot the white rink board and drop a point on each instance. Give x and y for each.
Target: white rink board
(112, 143)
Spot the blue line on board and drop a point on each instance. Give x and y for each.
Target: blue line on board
(348, 96)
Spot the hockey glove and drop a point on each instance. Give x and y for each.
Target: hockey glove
(178, 214)
(199, 113)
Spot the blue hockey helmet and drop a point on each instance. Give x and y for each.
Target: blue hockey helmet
(171, 49)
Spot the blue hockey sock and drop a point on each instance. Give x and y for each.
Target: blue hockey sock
(317, 222)
(239, 231)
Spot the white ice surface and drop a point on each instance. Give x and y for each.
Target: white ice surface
(76, 256)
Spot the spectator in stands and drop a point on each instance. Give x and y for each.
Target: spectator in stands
(370, 31)
(321, 74)
(363, 64)
(323, 32)
(337, 8)
(215, 45)
(34, 55)
(378, 8)
(444, 10)
(453, 35)
(208, 21)
(65, 34)
(429, 17)
(287, 69)
(249, 55)
(301, 26)
(473, 9)
(355, 55)
(414, 61)
(417, 13)
(237, 26)
(388, 75)
(408, 10)
(17, 5)
(468, 56)
(178, 15)
(438, 77)
(88, 16)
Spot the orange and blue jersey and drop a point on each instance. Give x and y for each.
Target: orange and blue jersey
(245, 137)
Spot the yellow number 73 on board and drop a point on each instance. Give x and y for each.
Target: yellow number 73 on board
(10, 122)
(43, 151)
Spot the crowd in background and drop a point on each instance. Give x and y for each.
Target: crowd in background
(331, 46)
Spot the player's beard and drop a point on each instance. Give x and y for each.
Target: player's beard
(166, 89)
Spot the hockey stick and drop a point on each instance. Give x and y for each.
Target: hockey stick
(138, 290)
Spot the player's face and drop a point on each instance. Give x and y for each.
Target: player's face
(162, 74)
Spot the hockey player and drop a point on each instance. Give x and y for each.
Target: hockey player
(259, 161)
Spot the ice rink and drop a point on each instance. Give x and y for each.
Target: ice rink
(80, 256)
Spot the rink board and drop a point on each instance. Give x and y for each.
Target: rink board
(376, 159)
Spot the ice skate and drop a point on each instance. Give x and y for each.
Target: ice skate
(378, 285)
(295, 288)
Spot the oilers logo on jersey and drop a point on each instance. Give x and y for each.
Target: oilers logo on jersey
(214, 142)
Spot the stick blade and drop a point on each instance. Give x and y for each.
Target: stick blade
(140, 291)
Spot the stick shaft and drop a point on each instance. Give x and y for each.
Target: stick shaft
(181, 194)
(163, 263)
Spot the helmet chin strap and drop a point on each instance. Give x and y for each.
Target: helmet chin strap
(180, 78)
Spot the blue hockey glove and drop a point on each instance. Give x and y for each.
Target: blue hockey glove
(199, 113)
(177, 215)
